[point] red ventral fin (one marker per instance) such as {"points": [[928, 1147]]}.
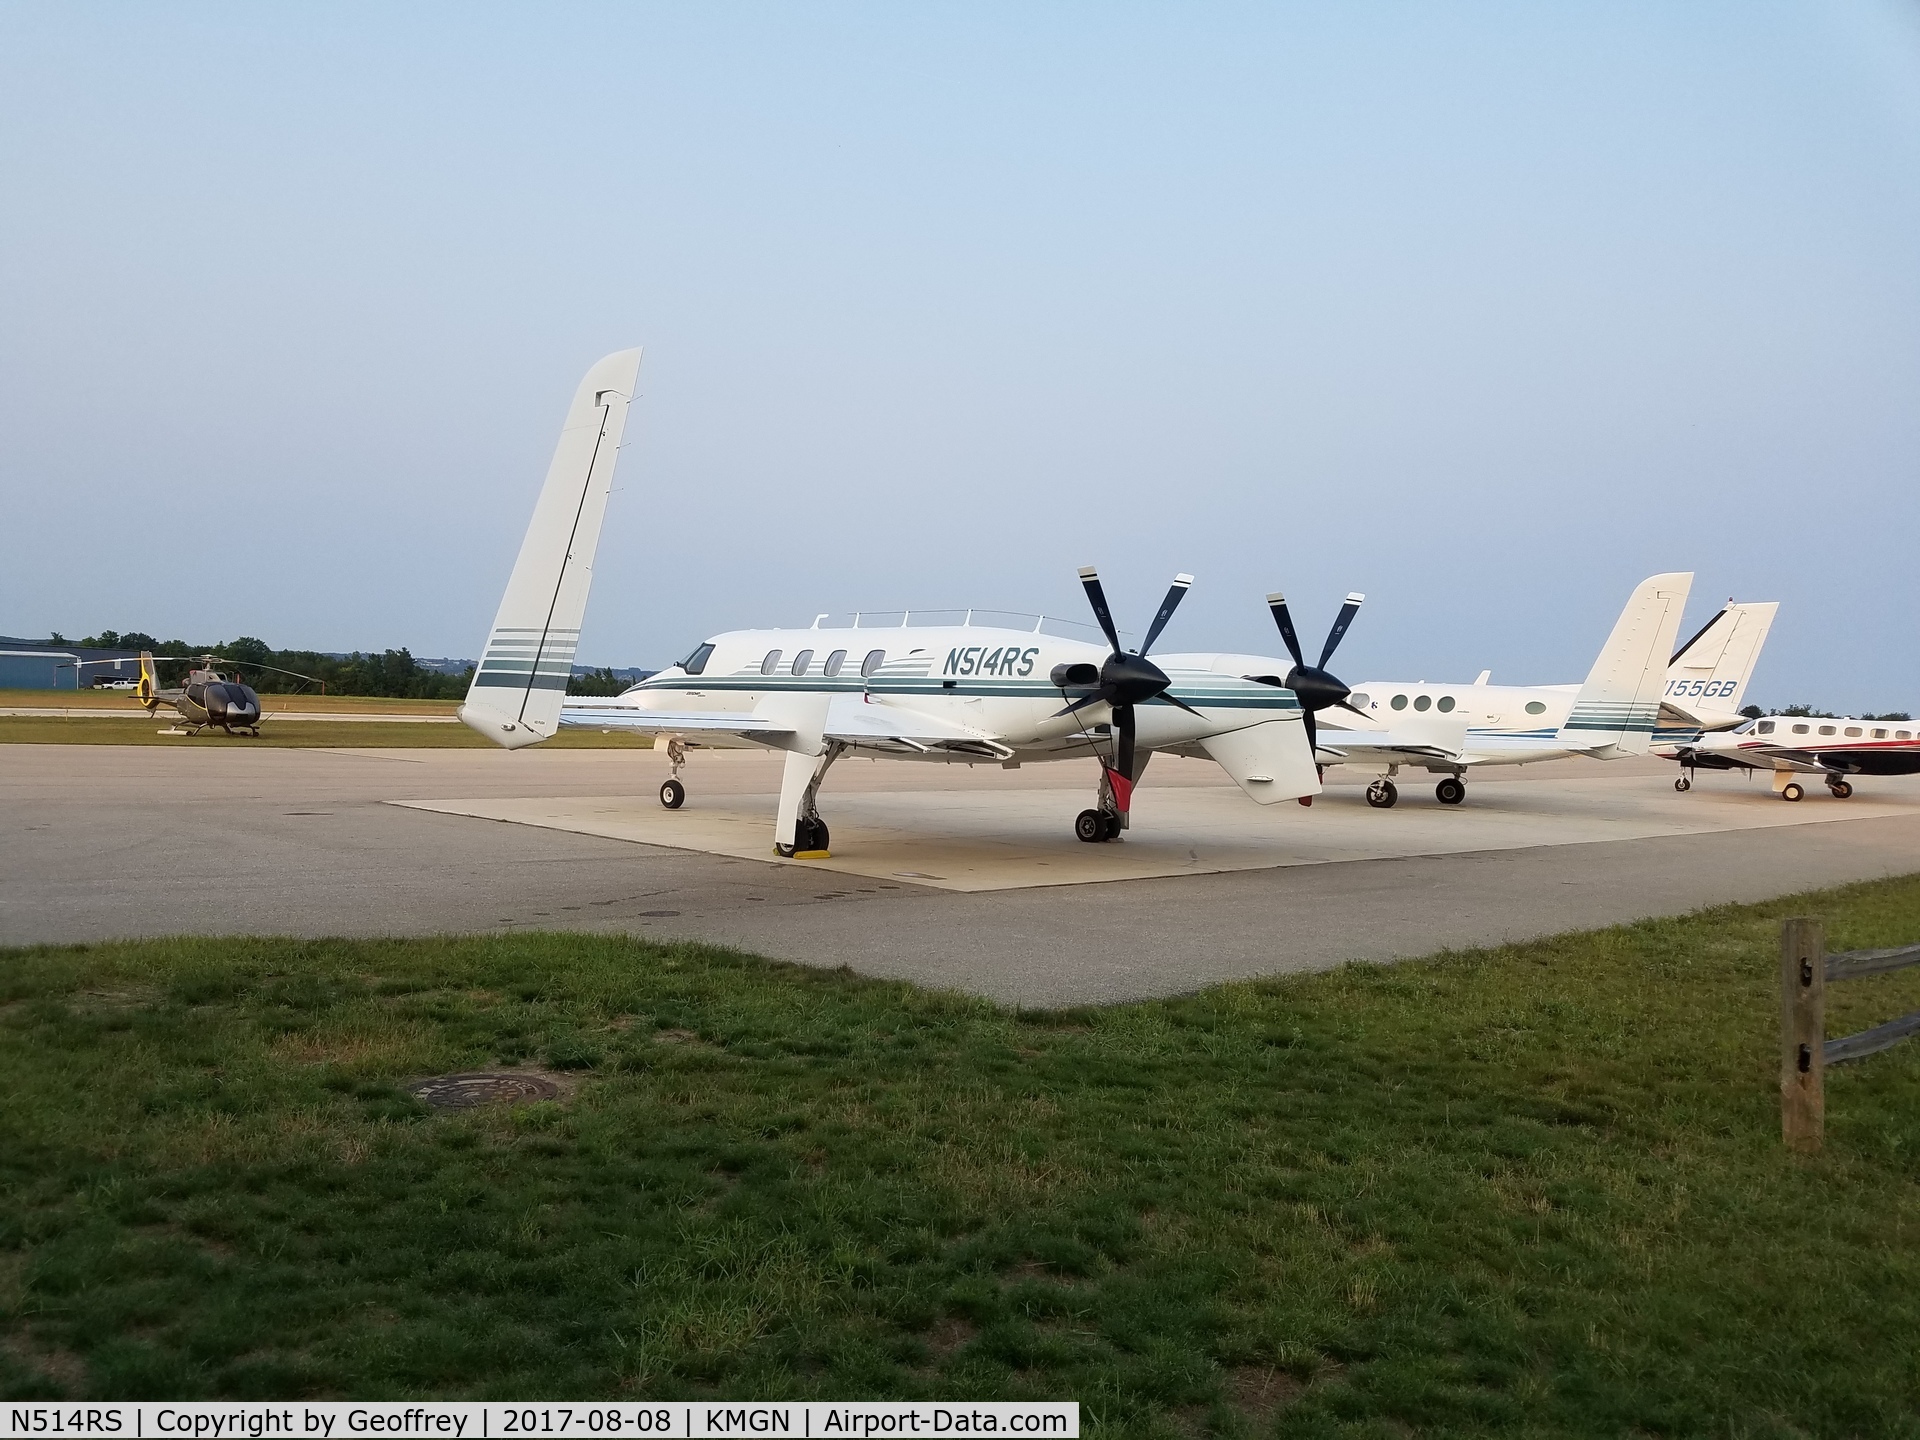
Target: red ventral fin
{"points": [[1122, 790]]}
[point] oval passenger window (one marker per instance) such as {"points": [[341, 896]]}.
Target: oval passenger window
{"points": [[771, 663], [801, 661], [1536, 707], [1446, 704], [1360, 701], [875, 659], [1903, 734], [1826, 729], [1422, 702], [1801, 729], [1399, 702], [834, 662], [1879, 734], [1853, 732]]}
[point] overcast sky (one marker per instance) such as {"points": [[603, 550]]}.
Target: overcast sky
{"points": [[1487, 311]]}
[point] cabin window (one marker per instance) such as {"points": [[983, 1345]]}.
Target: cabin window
{"points": [[1765, 727], [771, 663], [1853, 732], [1903, 734], [1361, 701], [834, 662], [696, 663], [801, 661], [1826, 729], [1879, 734], [1536, 707], [1422, 702], [1399, 702], [1801, 729], [1446, 704], [875, 659]]}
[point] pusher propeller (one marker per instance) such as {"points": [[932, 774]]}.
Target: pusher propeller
{"points": [[1317, 688]]}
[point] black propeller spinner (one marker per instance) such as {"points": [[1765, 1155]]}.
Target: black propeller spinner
{"points": [[1318, 690], [1125, 678]]}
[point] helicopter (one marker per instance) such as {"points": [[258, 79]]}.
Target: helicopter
{"points": [[211, 697]]}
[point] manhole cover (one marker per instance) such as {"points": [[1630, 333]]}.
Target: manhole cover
{"points": [[482, 1087]]}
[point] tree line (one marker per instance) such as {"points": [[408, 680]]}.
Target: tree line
{"points": [[391, 673]]}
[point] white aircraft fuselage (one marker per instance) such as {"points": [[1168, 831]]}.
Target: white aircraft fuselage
{"points": [[952, 694]]}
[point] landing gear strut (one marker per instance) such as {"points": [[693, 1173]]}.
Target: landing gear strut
{"points": [[1382, 794], [1097, 826], [672, 793], [809, 830], [1683, 784], [1450, 791]]}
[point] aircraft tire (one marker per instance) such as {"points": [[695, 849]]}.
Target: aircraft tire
{"points": [[1113, 827], [1450, 791], [673, 794], [1382, 794], [1791, 790], [1683, 784], [1842, 789], [1091, 826], [810, 834]]}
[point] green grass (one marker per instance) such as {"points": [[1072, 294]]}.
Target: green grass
{"points": [[296, 734], [1536, 1190]]}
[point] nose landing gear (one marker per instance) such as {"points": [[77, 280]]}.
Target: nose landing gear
{"points": [[1382, 794], [1683, 784], [672, 793]]}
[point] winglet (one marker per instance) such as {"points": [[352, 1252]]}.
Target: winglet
{"points": [[522, 677]]}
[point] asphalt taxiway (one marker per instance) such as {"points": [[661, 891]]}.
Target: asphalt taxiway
{"points": [[954, 877]]}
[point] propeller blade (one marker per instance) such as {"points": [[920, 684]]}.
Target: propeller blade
{"points": [[1282, 617], [1173, 699], [1082, 703], [1343, 705], [1175, 594], [1313, 734], [1090, 578], [1123, 731], [1339, 631]]}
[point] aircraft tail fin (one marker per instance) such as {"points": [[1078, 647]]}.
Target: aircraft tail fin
{"points": [[522, 676], [1618, 706], [1707, 678]]}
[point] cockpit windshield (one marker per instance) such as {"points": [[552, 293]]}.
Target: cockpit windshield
{"points": [[1754, 727], [696, 663]]}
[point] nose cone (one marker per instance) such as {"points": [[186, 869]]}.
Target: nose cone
{"points": [[1316, 688], [1131, 679]]}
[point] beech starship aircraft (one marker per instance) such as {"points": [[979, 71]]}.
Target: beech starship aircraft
{"points": [[1832, 747], [1450, 729], [954, 694]]}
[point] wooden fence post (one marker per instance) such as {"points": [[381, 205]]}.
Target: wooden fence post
{"points": [[1803, 1033]]}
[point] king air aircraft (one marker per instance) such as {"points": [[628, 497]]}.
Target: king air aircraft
{"points": [[1632, 692], [956, 694]]}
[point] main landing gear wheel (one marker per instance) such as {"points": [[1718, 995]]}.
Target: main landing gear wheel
{"points": [[673, 794], [1095, 826], [1382, 793], [1841, 789], [1683, 784], [807, 835], [1791, 790], [1450, 791]]}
